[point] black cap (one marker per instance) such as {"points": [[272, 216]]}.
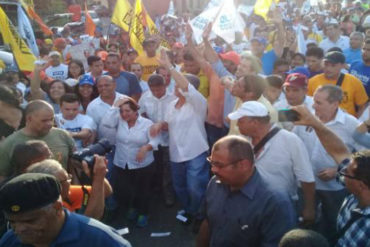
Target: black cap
{"points": [[335, 57], [28, 191]]}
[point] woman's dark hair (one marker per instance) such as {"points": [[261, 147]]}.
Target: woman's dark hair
{"points": [[132, 104], [67, 89], [93, 95], [79, 63], [299, 55]]}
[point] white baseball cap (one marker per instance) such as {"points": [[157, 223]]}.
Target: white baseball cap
{"points": [[249, 109]]}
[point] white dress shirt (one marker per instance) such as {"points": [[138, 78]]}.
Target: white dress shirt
{"points": [[342, 43], [130, 140], [97, 109], [155, 109], [283, 162], [186, 129], [343, 126]]}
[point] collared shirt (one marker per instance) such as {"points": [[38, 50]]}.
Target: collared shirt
{"points": [[253, 216], [77, 231], [186, 128], [342, 42], [97, 110], [283, 162], [155, 109], [129, 140], [343, 125], [358, 234]]}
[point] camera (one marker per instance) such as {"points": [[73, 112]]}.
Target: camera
{"points": [[87, 154]]}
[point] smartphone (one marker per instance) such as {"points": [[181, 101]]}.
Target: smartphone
{"points": [[288, 115]]}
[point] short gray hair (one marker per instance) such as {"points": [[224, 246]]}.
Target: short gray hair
{"points": [[47, 166], [335, 93]]}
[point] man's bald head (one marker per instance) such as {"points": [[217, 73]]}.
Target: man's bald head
{"points": [[238, 147], [37, 105]]}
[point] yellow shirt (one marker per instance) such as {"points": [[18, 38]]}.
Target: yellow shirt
{"points": [[353, 91], [204, 84], [150, 64], [234, 130]]}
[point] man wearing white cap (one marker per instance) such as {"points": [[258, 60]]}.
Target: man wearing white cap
{"points": [[281, 157], [334, 39], [56, 70]]}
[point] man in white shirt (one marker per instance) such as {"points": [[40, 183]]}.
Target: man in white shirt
{"points": [[137, 69], [281, 157], [295, 89], [334, 39], [99, 107], [79, 126], [329, 192], [153, 105], [56, 70]]}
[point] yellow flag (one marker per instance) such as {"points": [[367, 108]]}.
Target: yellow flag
{"points": [[23, 55], [122, 14], [262, 7], [137, 28]]}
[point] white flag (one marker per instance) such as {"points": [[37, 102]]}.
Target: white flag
{"points": [[214, 3], [26, 32], [226, 22], [301, 42], [200, 22]]}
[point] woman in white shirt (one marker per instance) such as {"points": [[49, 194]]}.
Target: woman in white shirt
{"points": [[133, 159], [185, 117]]}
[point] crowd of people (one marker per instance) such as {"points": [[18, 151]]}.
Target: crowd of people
{"points": [[262, 142]]}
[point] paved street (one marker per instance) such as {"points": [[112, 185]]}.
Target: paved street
{"points": [[161, 219]]}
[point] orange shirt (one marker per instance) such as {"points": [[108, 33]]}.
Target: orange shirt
{"points": [[353, 91], [75, 197]]}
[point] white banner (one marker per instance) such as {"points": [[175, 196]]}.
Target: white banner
{"points": [[200, 22]]}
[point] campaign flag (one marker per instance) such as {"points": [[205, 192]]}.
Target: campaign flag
{"points": [[199, 23], [25, 30], [262, 7], [226, 22], [22, 54], [137, 28], [89, 23], [122, 14]]}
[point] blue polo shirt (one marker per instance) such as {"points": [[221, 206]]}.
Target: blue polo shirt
{"points": [[268, 59], [77, 231], [252, 216], [127, 84]]}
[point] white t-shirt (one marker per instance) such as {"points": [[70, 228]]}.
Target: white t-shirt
{"points": [[59, 72], [79, 123]]}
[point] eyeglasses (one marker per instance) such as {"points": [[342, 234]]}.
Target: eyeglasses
{"points": [[68, 179], [220, 165], [342, 173]]}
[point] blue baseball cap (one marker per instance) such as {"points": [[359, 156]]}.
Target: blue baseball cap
{"points": [[260, 40], [86, 79], [301, 70]]}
